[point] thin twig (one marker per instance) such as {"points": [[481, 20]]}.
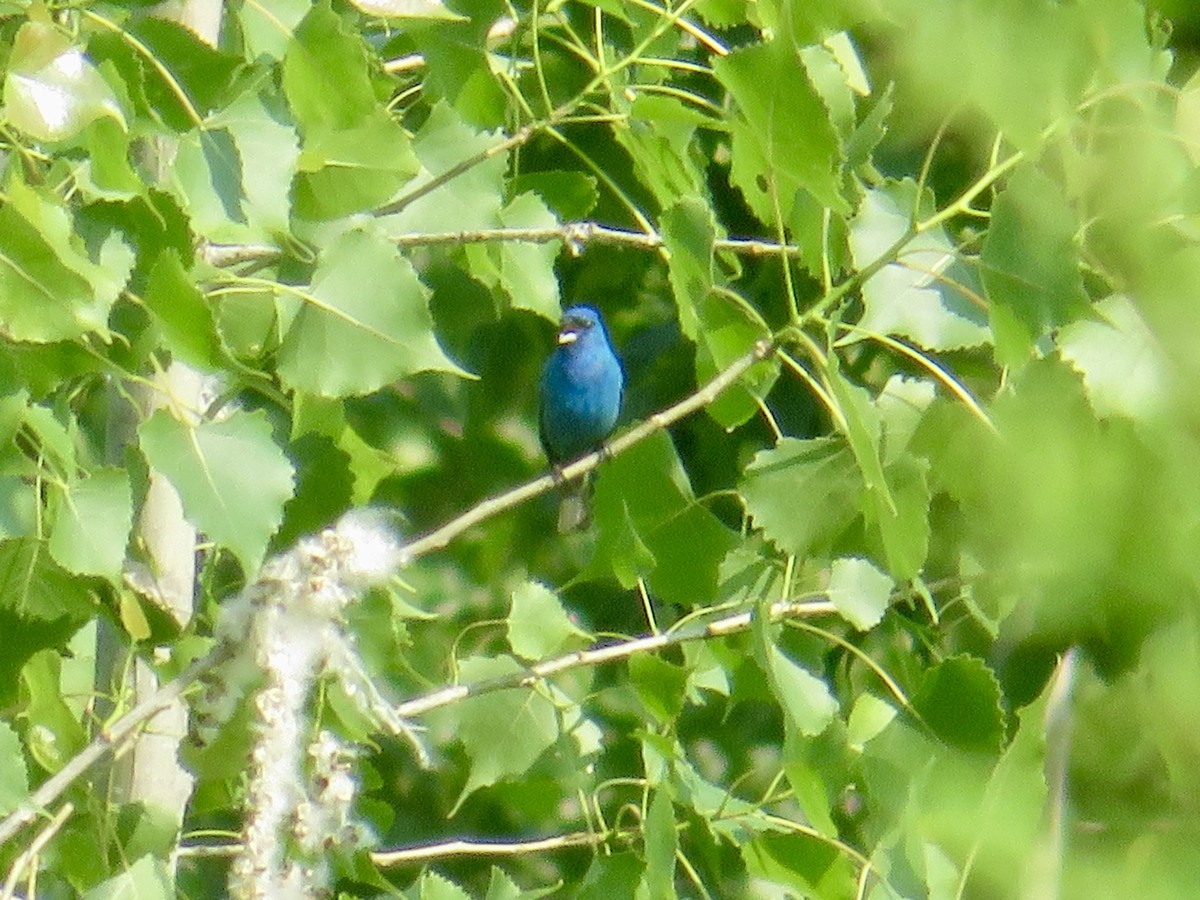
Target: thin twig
{"points": [[783, 609], [30, 853], [515, 140], [439, 538], [446, 849], [104, 743]]}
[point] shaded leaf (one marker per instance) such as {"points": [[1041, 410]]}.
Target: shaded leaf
{"points": [[959, 698], [183, 315]]}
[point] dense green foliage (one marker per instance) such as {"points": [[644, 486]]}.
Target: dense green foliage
{"points": [[973, 232]]}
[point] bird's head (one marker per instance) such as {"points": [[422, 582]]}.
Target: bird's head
{"points": [[577, 323]]}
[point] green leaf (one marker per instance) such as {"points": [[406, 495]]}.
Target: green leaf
{"points": [[868, 718], [267, 31], [182, 314], [354, 168], [1122, 363], [1030, 264], [960, 700], [904, 526], [51, 91], [806, 699], [901, 406], [14, 777], [568, 195], [803, 494], [658, 137], [660, 685], [782, 136], [107, 174], [504, 732], [366, 317], [926, 295], [201, 72], [325, 74], [93, 523], [728, 331], [18, 507], [661, 845], [50, 289], [813, 868], [146, 879], [859, 591], [408, 9], [231, 476], [472, 200], [617, 875], [539, 627], [644, 513], [688, 231], [526, 270], [268, 154], [432, 886]]}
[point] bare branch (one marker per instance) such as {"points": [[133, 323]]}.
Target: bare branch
{"points": [[439, 538], [783, 609], [573, 235], [410, 855]]}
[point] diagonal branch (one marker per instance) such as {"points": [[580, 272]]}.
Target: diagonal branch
{"points": [[440, 537], [783, 609]]}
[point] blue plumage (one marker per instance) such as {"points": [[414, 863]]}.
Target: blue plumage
{"points": [[582, 385]]}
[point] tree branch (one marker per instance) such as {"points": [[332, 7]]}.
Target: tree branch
{"points": [[104, 743], [439, 538], [446, 849], [573, 235], [783, 609]]}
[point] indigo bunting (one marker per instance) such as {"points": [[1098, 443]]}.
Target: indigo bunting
{"points": [[582, 385]]}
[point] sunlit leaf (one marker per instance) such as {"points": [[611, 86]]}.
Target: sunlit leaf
{"points": [[925, 295], [231, 476], [538, 626], [859, 591], [802, 494], [52, 91], [366, 317], [14, 777], [93, 522], [502, 733], [1030, 264]]}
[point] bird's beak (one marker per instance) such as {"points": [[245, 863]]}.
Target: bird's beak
{"points": [[567, 337]]}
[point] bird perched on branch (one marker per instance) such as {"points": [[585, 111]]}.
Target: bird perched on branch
{"points": [[582, 385]]}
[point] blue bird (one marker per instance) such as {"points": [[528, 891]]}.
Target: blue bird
{"points": [[582, 385]]}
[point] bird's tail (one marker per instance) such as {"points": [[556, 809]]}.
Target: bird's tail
{"points": [[575, 510]]}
